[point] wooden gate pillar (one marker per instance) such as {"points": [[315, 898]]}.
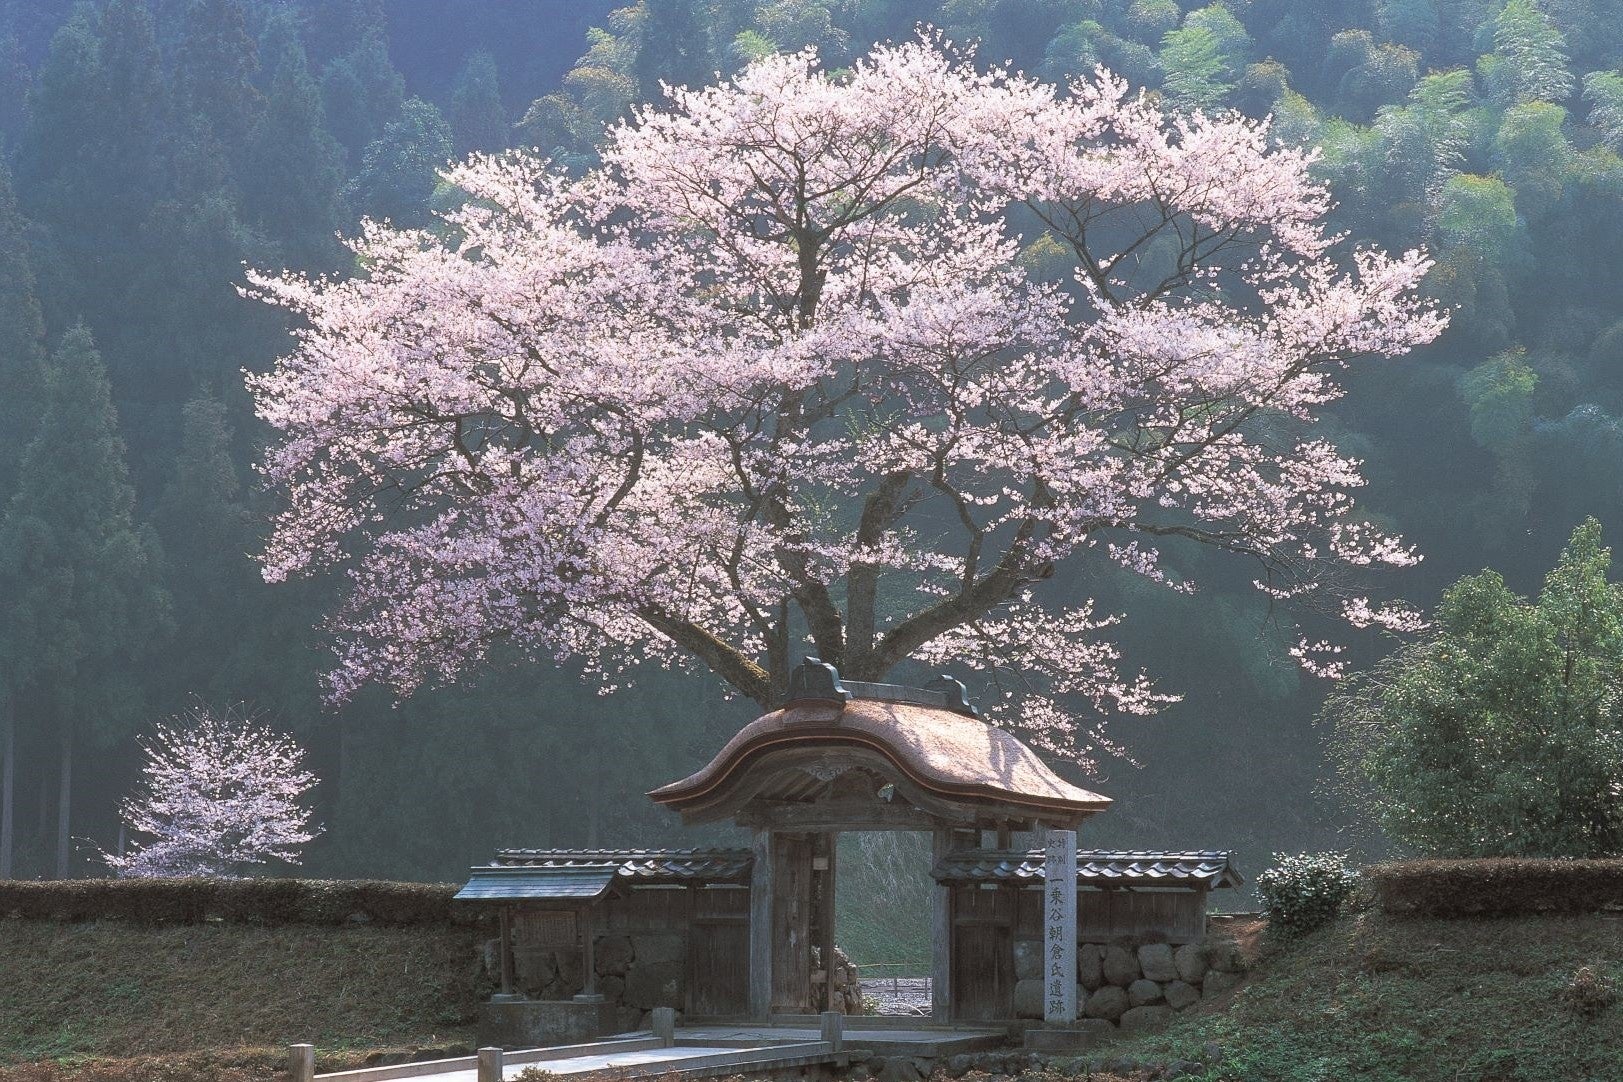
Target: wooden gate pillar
{"points": [[760, 959], [780, 924], [940, 933]]}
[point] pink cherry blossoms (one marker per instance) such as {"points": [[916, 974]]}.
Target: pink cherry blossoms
{"points": [[218, 795], [775, 374]]}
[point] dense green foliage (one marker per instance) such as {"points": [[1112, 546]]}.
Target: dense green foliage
{"points": [[1504, 887], [1498, 733], [155, 145], [1304, 892]]}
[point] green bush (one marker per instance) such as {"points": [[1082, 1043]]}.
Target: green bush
{"points": [[1304, 892], [1497, 888], [236, 901], [1496, 733]]}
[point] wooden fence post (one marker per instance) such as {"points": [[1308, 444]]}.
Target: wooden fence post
{"points": [[834, 1030], [301, 1062], [490, 1065]]}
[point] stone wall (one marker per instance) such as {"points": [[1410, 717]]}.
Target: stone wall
{"points": [[847, 982], [636, 971], [1133, 986]]}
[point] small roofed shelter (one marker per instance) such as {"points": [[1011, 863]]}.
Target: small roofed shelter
{"points": [[852, 756], [1124, 898], [556, 905]]}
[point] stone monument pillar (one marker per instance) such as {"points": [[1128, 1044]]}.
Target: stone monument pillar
{"points": [[1059, 928]]}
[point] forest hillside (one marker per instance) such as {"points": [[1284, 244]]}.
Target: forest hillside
{"points": [[153, 148]]}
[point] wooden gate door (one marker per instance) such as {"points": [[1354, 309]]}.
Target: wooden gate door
{"points": [[719, 954], [982, 954], [791, 923]]}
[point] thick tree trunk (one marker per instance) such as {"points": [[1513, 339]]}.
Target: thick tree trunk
{"points": [[64, 802], [42, 816], [8, 781]]}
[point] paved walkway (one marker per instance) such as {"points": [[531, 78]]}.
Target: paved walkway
{"points": [[700, 1051], [922, 1040], [638, 1061]]}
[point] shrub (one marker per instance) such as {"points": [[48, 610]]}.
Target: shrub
{"points": [[1304, 892], [1589, 993], [1496, 734], [238, 901], [1496, 887]]}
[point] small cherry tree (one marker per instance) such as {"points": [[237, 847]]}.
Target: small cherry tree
{"points": [[218, 795], [776, 369]]}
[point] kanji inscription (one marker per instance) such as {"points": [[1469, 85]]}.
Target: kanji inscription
{"points": [[1059, 927]]}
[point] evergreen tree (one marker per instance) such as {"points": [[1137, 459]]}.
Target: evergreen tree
{"points": [[361, 92], [133, 108], [400, 170], [478, 121], [77, 573], [1414, 23], [193, 328], [204, 528], [21, 333], [296, 166], [57, 145], [214, 72], [604, 81], [673, 46], [15, 81], [21, 388], [91, 164], [335, 27]]}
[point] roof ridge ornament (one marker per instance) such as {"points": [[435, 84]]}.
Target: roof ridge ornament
{"points": [[955, 696], [815, 680]]}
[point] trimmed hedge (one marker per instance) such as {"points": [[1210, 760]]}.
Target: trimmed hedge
{"points": [[238, 901], [1503, 887]]}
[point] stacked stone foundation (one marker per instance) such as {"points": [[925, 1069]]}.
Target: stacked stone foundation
{"points": [[1131, 986], [635, 973]]}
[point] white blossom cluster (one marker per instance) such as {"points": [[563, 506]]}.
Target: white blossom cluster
{"points": [[218, 796]]}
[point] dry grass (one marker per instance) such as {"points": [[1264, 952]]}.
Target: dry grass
{"points": [[218, 1065], [114, 989], [1378, 999]]}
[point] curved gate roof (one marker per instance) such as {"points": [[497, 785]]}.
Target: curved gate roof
{"points": [[947, 752]]}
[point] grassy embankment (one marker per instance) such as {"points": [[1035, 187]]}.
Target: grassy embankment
{"points": [[221, 1001], [1370, 998], [1378, 999]]}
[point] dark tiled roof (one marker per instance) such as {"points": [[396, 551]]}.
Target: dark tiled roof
{"points": [[584, 875], [1095, 867], [580, 883], [640, 865]]}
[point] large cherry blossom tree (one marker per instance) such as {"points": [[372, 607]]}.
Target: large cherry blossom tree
{"points": [[218, 796], [776, 373]]}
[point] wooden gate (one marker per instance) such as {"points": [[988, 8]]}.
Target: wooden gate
{"points": [[982, 954], [718, 954]]}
